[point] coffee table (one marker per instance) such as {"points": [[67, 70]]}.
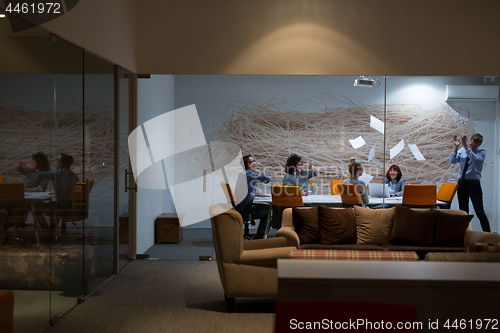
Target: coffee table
{"points": [[439, 290]]}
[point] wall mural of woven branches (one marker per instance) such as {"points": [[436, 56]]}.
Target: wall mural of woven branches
{"points": [[89, 139], [271, 133]]}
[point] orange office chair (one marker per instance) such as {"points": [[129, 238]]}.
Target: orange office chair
{"points": [[419, 196], [349, 195], [335, 189], [2, 179], [228, 192], [282, 197], [11, 195], [446, 193]]}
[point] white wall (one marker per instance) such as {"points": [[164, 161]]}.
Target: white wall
{"points": [[155, 96]]}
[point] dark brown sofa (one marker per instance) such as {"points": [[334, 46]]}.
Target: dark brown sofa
{"points": [[395, 229]]}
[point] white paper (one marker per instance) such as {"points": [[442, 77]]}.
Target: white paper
{"points": [[366, 178], [397, 148], [371, 155], [416, 152], [358, 142], [377, 124]]}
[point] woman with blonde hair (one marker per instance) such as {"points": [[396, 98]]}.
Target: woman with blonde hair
{"points": [[355, 171]]}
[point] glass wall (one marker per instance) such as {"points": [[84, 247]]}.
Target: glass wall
{"points": [[327, 120], [57, 208]]}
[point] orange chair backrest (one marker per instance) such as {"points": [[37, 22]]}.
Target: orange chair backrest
{"points": [[2, 179], [11, 192], [420, 195], [310, 182], [82, 193], [349, 194], [286, 196], [447, 192], [228, 192], [335, 189]]}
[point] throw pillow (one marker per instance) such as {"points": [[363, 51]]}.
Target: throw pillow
{"points": [[373, 226], [450, 229], [305, 223], [337, 226], [412, 227]]}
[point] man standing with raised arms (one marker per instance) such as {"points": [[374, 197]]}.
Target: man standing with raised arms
{"points": [[471, 159]]}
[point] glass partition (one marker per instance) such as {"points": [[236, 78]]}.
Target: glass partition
{"points": [[66, 166], [408, 122], [56, 234]]}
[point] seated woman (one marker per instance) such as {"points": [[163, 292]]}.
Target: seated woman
{"points": [[298, 174], [395, 180], [31, 169], [355, 171], [246, 191]]}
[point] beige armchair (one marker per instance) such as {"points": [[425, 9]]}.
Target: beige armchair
{"points": [[247, 269]]}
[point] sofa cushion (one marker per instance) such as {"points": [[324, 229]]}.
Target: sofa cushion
{"points": [[413, 227], [353, 255], [357, 247], [373, 226], [337, 226], [305, 223], [422, 250], [450, 229], [482, 248], [463, 257]]}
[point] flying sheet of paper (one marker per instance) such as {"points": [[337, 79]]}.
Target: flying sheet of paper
{"points": [[397, 148], [371, 155], [416, 152], [366, 178], [358, 142], [377, 124]]}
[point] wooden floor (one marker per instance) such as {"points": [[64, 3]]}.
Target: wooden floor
{"points": [[166, 296]]}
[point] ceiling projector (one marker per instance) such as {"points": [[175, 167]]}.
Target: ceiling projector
{"points": [[366, 82]]}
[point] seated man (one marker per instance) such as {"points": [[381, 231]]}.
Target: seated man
{"points": [[248, 181]]}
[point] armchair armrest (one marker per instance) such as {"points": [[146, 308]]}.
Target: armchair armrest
{"points": [[265, 257], [472, 236], [290, 235], [264, 243]]}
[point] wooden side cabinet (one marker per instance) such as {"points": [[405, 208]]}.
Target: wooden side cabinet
{"points": [[168, 228]]}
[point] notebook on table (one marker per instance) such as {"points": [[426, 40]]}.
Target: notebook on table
{"points": [[379, 190]]}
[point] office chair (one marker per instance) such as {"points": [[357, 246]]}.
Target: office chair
{"points": [[282, 197], [349, 195], [79, 210], [2, 179], [446, 193], [335, 189], [11, 195], [228, 192], [419, 196]]}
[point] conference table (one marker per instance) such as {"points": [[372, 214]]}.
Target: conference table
{"points": [[336, 201]]}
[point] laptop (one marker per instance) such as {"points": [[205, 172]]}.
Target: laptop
{"points": [[377, 190]]}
